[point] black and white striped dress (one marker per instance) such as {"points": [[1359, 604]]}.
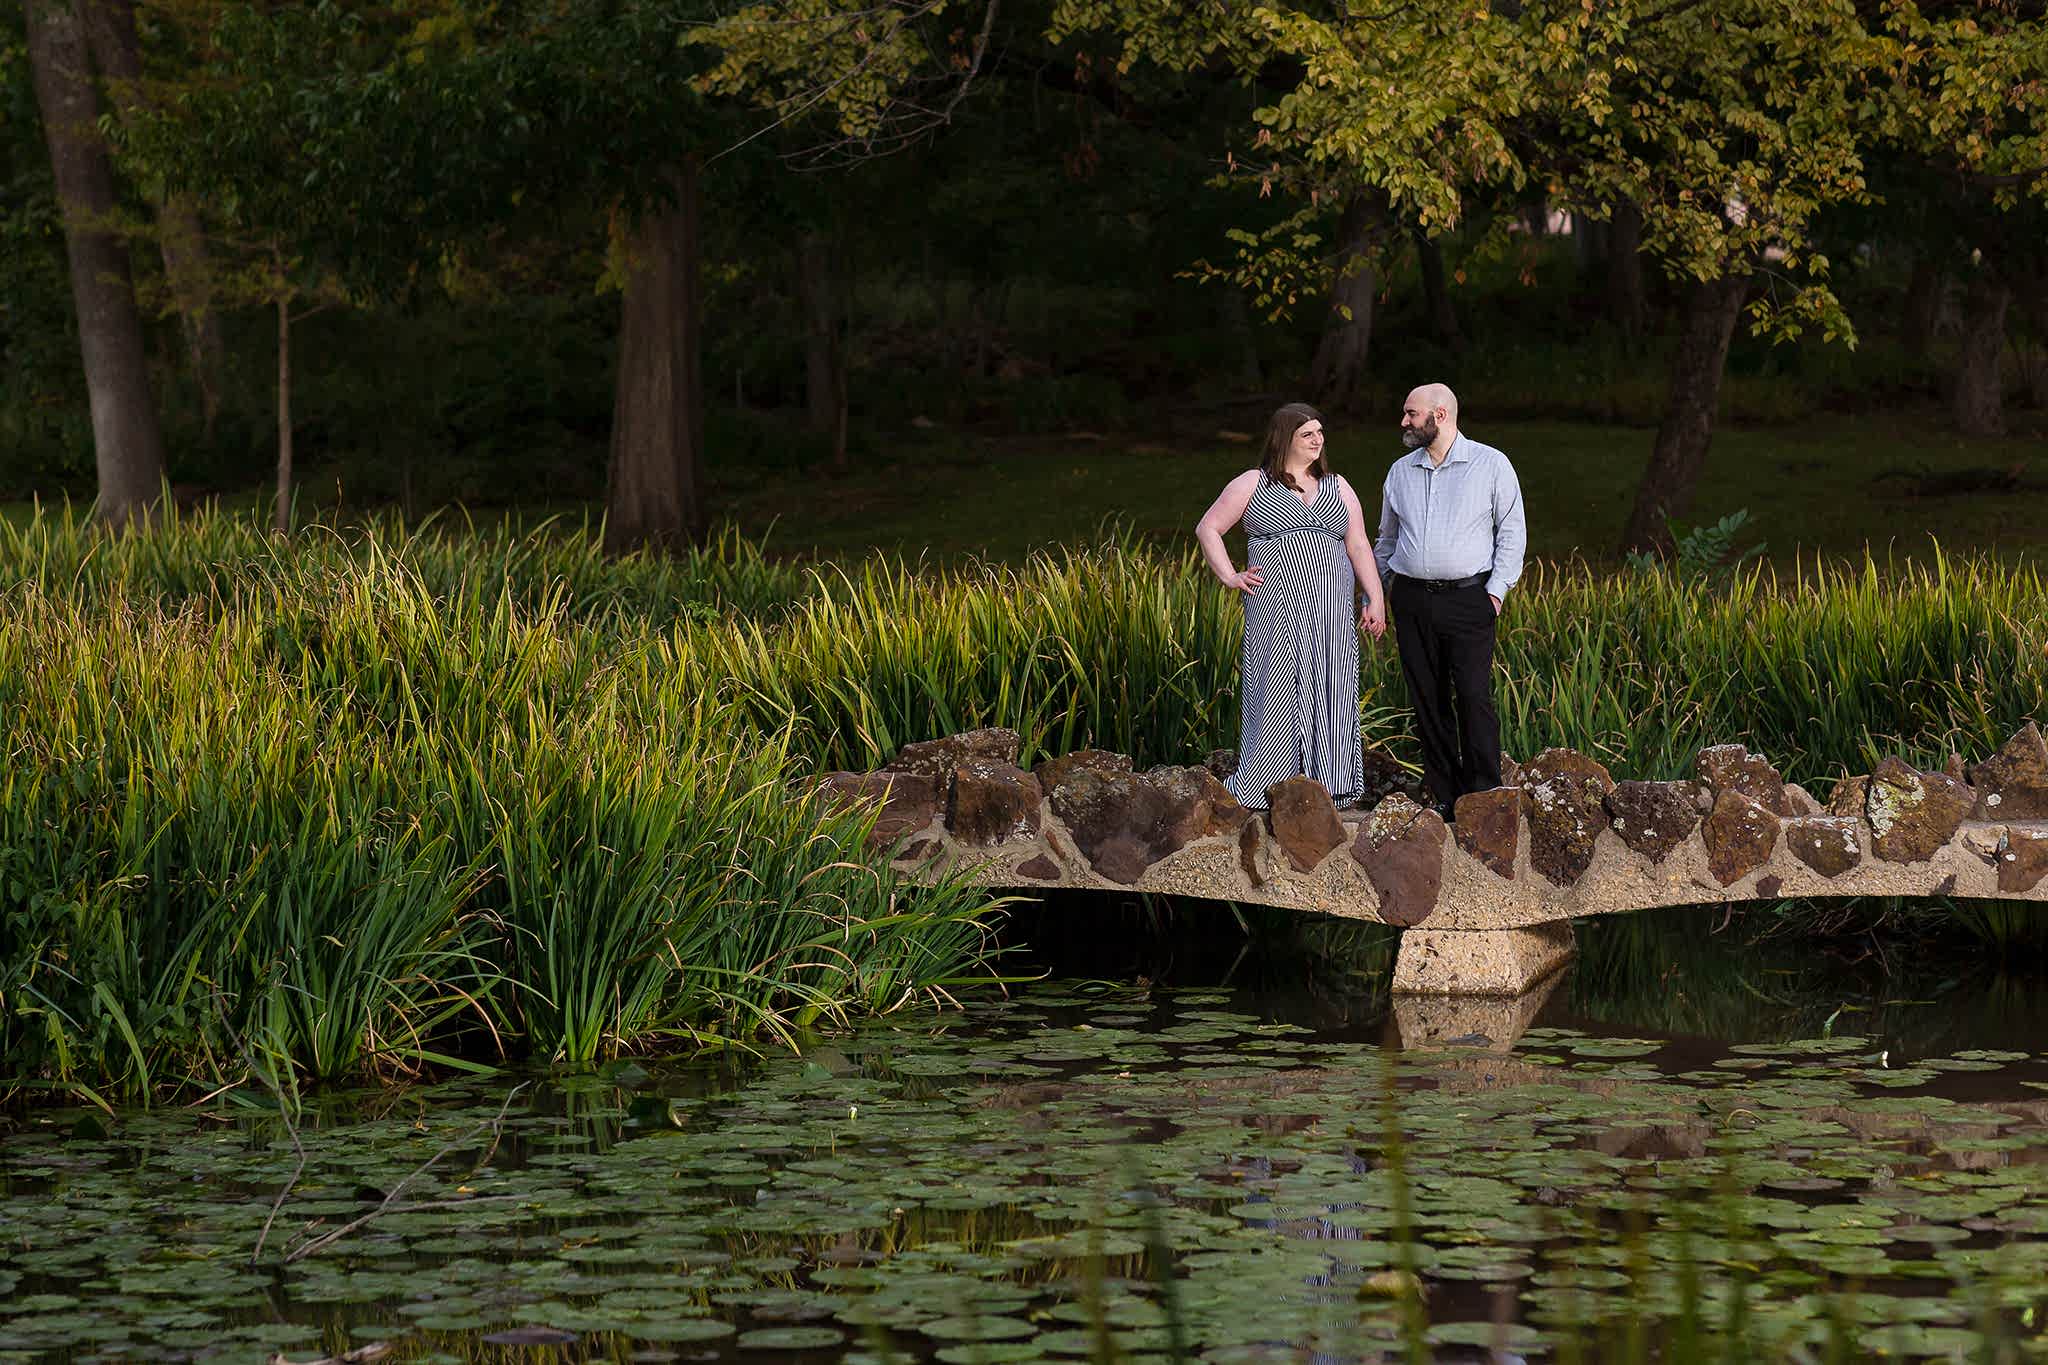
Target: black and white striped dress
{"points": [[1300, 647]]}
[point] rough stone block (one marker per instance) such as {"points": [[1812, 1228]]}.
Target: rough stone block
{"points": [[2023, 862], [1653, 818], [1564, 794], [2013, 783], [1986, 841], [1740, 836], [1053, 771], [1040, 869], [1829, 844], [1913, 813], [904, 802], [1303, 819], [1731, 767], [1401, 847], [1490, 828], [1799, 801], [992, 803], [1124, 822], [1492, 962], [1849, 796], [1222, 764], [1555, 764], [939, 757]]}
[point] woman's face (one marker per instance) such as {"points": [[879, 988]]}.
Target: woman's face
{"points": [[1308, 443]]}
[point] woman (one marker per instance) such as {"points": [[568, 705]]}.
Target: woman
{"points": [[1307, 544]]}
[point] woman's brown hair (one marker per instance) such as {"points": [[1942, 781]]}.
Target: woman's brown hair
{"points": [[1288, 419]]}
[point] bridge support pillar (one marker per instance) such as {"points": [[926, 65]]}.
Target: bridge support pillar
{"points": [[1480, 962]]}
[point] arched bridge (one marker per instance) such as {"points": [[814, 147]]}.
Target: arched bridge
{"points": [[1486, 902]]}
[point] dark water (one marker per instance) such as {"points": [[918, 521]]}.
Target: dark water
{"points": [[1210, 1146]]}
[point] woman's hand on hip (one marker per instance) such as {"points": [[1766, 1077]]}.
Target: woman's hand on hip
{"points": [[1249, 581]]}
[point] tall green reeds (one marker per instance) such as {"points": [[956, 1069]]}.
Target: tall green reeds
{"points": [[369, 799], [1825, 671], [332, 818]]}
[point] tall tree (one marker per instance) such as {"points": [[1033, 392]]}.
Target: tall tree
{"points": [[1728, 125], [1966, 115], [654, 488], [181, 236], [1337, 375], [127, 443]]}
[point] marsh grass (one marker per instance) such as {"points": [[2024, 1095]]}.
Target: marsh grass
{"points": [[1826, 669], [324, 817], [376, 800]]}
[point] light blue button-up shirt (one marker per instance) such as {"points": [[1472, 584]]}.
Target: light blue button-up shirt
{"points": [[1453, 520]]}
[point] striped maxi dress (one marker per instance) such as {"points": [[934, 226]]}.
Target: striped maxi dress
{"points": [[1300, 647]]}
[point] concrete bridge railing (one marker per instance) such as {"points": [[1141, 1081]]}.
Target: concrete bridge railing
{"points": [[1486, 903]]}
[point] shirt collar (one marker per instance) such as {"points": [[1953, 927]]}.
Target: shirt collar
{"points": [[1457, 454]]}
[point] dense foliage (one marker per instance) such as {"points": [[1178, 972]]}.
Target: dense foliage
{"points": [[451, 184]]}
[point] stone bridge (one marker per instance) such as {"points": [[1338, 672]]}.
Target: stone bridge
{"points": [[1486, 902]]}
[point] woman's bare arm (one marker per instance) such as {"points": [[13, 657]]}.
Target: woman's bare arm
{"points": [[1358, 549], [1224, 513]]}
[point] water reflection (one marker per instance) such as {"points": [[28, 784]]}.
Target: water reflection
{"points": [[1683, 972], [1241, 1149]]}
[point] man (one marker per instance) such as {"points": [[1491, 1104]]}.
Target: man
{"points": [[1450, 546]]}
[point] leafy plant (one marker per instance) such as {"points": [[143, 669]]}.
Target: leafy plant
{"points": [[1703, 551]]}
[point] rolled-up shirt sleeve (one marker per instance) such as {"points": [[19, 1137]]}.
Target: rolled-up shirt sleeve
{"points": [[1510, 532]]}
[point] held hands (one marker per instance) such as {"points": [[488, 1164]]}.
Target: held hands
{"points": [[1247, 582], [1373, 618]]}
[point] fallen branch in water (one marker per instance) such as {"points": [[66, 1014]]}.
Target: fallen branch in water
{"points": [[493, 1125], [376, 1350]]}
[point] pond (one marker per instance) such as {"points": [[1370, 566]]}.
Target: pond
{"points": [[1685, 1150]]}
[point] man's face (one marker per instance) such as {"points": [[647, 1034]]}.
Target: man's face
{"points": [[1418, 423]]}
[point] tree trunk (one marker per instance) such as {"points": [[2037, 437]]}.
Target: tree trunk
{"points": [[653, 494], [1337, 375], [1922, 307], [1626, 308], [127, 444], [281, 516], [117, 51], [1979, 393], [824, 353], [1666, 490], [1436, 297], [1589, 244]]}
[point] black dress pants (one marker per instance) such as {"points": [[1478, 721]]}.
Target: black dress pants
{"points": [[1446, 642]]}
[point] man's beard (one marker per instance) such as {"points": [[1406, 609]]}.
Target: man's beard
{"points": [[1419, 436]]}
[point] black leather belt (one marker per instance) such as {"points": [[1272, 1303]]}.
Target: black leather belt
{"points": [[1444, 584]]}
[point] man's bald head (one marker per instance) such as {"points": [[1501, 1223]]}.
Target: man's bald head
{"points": [[1430, 412], [1434, 396]]}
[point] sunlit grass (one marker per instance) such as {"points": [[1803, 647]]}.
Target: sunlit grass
{"points": [[316, 815], [377, 800]]}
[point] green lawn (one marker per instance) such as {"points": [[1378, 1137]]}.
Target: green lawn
{"points": [[1830, 486], [1821, 487]]}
